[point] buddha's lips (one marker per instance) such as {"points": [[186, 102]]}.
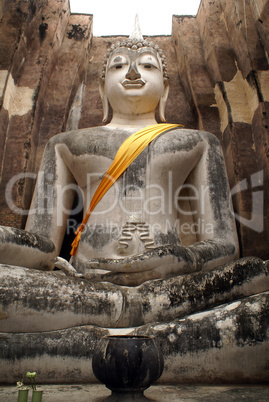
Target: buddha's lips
{"points": [[133, 83]]}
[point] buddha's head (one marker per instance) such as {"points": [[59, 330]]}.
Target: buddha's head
{"points": [[134, 73]]}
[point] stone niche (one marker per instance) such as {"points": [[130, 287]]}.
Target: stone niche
{"points": [[219, 74]]}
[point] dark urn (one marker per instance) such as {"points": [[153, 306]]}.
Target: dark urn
{"points": [[127, 364]]}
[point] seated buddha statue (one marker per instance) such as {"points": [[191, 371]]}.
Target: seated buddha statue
{"points": [[165, 217]]}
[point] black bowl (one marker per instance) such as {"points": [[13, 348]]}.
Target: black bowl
{"points": [[127, 363]]}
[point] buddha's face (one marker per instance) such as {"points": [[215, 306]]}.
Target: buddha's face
{"points": [[134, 77]]}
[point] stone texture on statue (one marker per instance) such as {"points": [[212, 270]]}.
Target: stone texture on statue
{"points": [[73, 302], [228, 344], [93, 243]]}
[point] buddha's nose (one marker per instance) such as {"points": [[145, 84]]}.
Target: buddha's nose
{"points": [[133, 73]]}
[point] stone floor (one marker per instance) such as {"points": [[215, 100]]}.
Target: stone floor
{"points": [[157, 393]]}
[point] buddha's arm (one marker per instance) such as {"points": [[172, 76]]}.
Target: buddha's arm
{"points": [[217, 242], [40, 242]]}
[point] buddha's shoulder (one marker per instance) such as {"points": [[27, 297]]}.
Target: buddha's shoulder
{"points": [[186, 138], [79, 135], [94, 140], [198, 135]]}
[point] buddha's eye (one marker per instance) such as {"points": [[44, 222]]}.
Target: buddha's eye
{"points": [[118, 66], [147, 66]]}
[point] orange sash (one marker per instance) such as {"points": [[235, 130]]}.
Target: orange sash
{"points": [[126, 154]]}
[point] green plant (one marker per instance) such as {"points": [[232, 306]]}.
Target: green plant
{"points": [[32, 377]]}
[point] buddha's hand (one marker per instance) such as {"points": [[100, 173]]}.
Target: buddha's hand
{"points": [[66, 267], [161, 262]]}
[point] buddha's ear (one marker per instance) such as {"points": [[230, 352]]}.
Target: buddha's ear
{"points": [[104, 100], [163, 100]]}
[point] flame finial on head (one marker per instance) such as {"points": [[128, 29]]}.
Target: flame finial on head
{"points": [[136, 34]]}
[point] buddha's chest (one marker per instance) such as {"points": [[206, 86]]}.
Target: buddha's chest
{"points": [[165, 158]]}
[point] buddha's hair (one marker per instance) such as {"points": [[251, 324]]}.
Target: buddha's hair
{"points": [[134, 44]]}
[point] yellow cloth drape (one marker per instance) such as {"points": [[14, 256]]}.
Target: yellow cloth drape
{"points": [[126, 154]]}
